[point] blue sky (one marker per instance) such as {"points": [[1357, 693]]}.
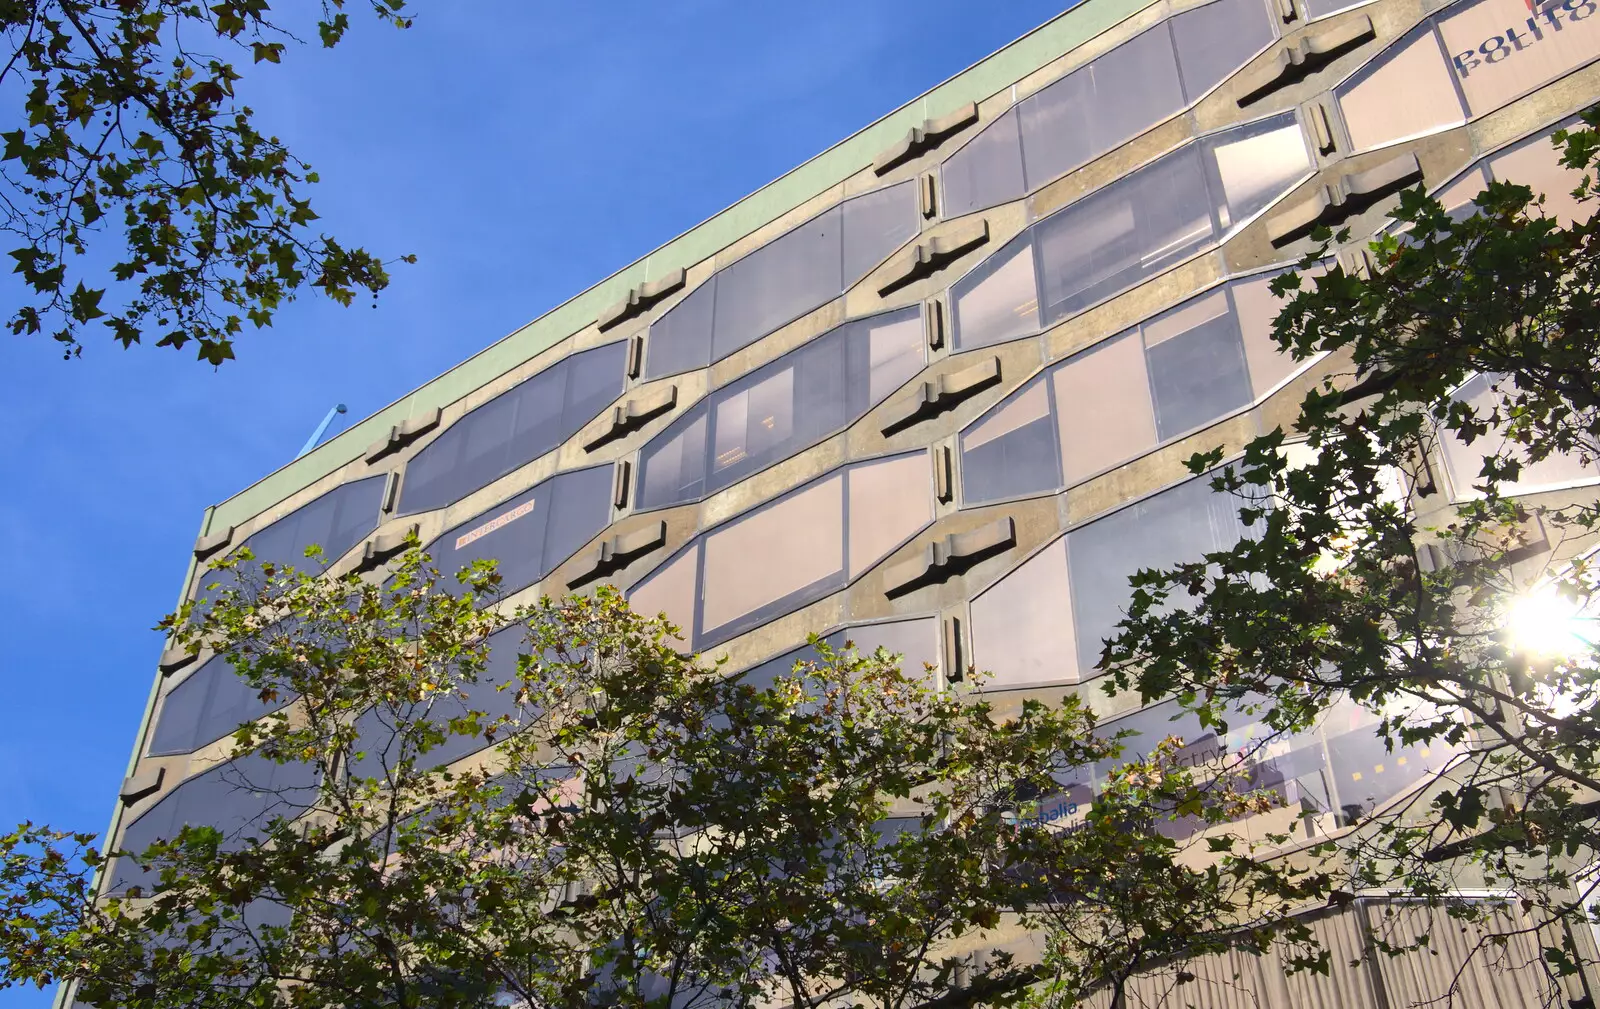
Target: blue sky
{"points": [[523, 151]]}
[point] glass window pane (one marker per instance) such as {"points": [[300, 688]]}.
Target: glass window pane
{"points": [[874, 226], [792, 547], [1465, 462], [1415, 68], [513, 429], [777, 283], [177, 728], [1257, 308], [1012, 451], [1103, 403], [671, 591], [1459, 195], [336, 521], [1175, 526], [672, 468], [1116, 237], [998, 300], [915, 641], [890, 501], [1097, 107], [774, 412], [1022, 627], [532, 533], [1215, 40], [1322, 8], [1534, 163], [987, 171], [681, 340], [1256, 164], [1197, 367], [1500, 49], [896, 351]]}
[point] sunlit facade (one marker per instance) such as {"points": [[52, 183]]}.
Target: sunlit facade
{"points": [[934, 389]]}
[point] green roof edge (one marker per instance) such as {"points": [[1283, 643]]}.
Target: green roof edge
{"points": [[1048, 42]]}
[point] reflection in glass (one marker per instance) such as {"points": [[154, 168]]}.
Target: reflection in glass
{"points": [[531, 534], [1465, 462], [1253, 164], [998, 300], [514, 428], [1012, 452], [1197, 366], [213, 702], [1500, 50], [1022, 627], [1414, 68], [987, 171], [781, 408], [805, 267]]}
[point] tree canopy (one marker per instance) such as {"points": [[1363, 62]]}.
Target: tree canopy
{"points": [[142, 194]]}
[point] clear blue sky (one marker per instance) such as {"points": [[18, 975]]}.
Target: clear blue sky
{"points": [[523, 151]]}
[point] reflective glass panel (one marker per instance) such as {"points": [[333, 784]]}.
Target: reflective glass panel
{"points": [[1257, 307], [210, 704], [1197, 366], [239, 798], [672, 591], [1254, 165], [987, 171], [532, 533], [1110, 239], [1215, 40], [888, 502], [1022, 627], [777, 283], [998, 300], [514, 428], [1502, 49], [915, 641], [1012, 451], [781, 408], [1098, 106], [1413, 67], [1535, 163], [1465, 462], [875, 225], [1103, 402], [1175, 526], [680, 340]]}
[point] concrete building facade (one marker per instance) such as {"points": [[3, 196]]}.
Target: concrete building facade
{"points": [[934, 388]]}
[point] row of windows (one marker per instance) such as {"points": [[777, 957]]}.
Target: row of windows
{"points": [[799, 548], [1468, 60], [1176, 372], [211, 703], [1104, 103], [1140, 225], [775, 411], [791, 275]]}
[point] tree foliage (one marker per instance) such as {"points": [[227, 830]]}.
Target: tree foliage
{"points": [[142, 194], [643, 830], [1361, 580]]}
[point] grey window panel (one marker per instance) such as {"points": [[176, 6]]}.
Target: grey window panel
{"points": [[380, 746], [999, 299], [336, 521], [777, 283], [1322, 8], [1250, 166], [1131, 230], [781, 408], [1199, 375], [239, 798], [210, 704], [915, 641], [1176, 526], [514, 428], [987, 171], [1098, 106], [875, 225], [1215, 40], [1023, 459], [681, 339], [532, 533]]}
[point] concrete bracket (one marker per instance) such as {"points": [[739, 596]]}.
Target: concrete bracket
{"points": [[933, 255], [640, 298], [1298, 60], [941, 395], [619, 551], [945, 558], [922, 139], [630, 416]]}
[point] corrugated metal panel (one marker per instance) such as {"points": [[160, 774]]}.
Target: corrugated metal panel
{"points": [[1458, 960], [1348, 984]]}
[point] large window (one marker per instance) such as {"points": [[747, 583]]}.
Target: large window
{"points": [[1174, 373], [1134, 228], [532, 533], [782, 408], [805, 545], [1100, 105], [210, 704], [336, 521], [781, 281], [514, 428], [1467, 60], [1045, 621], [493, 695], [239, 798], [1465, 462], [915, 641]]}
